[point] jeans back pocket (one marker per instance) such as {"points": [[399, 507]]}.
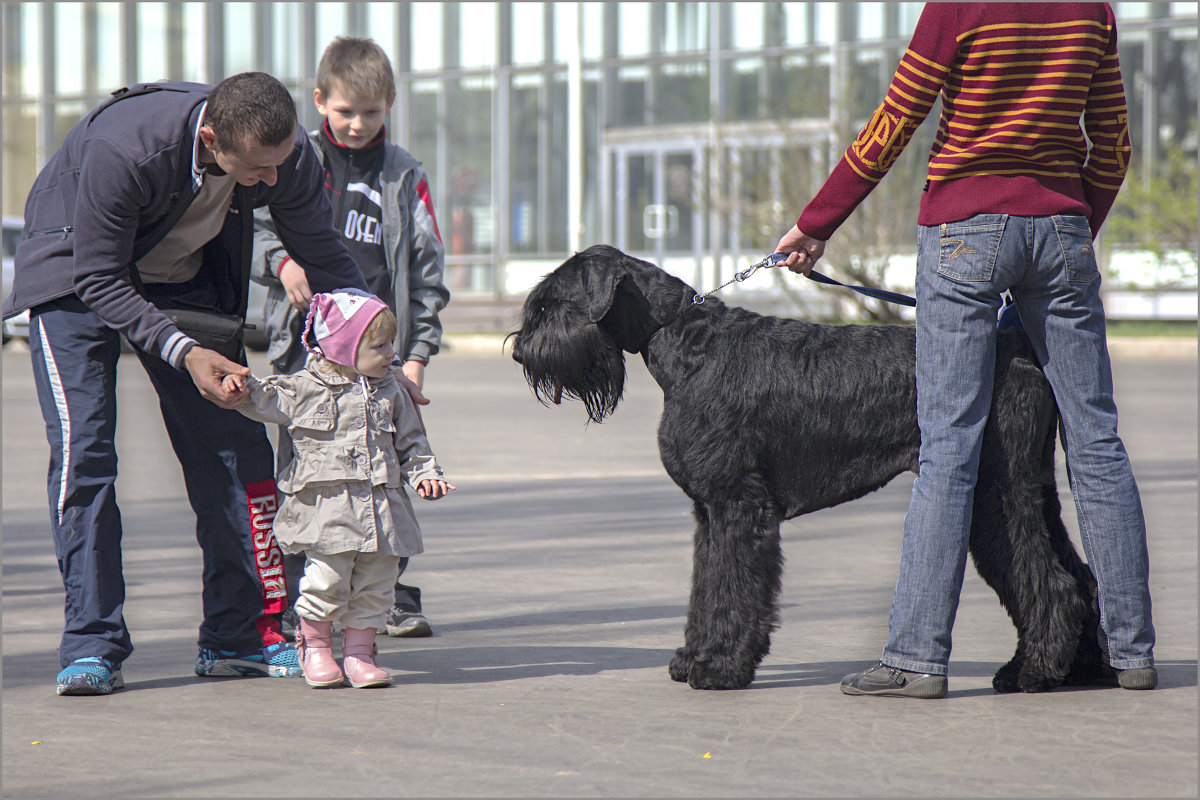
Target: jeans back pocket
{"points": [[968, 249], [1078, 250]]}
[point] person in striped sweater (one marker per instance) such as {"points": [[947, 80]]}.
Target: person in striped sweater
{"points": [[1014, 198]]}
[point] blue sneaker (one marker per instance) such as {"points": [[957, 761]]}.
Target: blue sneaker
{"points": [[92, 675], [284, 659], [279, 660]]}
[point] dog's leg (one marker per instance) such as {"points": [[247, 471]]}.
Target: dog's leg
{"points": [[991, 551], [735, 589], [1018, 540], [1012, 552], [681, 665], [1090, 664]]}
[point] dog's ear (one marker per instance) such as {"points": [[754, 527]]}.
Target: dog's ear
{"points": [[630, 321], [599, 289]]}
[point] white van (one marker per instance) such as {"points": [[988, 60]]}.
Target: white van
{"points": [[18, 326]]}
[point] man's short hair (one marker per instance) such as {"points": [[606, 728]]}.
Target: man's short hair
{"points": [[357, 66], [248, 108]]}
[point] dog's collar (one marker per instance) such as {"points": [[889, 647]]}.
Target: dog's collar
{"points": [[631, 332], [668, 323], [630, 320]]}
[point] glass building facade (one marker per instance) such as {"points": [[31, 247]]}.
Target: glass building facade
{"points": [[690, 134]]}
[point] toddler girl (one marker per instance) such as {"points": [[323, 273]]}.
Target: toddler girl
{"points": [[356, 439]]}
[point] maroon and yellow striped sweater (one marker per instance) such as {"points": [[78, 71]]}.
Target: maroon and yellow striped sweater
{"points": [[1015, 78]]}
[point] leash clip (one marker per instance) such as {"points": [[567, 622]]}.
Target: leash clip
{"points": [[748, 271], [772, 260]]}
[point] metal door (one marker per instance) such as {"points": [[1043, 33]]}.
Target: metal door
{"points": [[655, 202]]}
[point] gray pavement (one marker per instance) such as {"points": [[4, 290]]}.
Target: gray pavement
{"points": [[556, 579]]}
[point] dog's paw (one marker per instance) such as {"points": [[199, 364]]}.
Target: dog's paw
{"points": [[1090, 667], [1033, 684], [705, 676], [1025, 675], [1091, 675], [1006, 679], [681, 666], [1036, 677]]}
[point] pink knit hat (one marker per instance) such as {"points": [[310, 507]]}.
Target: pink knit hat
{"points": [[338, 319]]}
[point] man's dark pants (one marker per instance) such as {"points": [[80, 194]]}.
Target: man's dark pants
{"points": [[227, 465]]}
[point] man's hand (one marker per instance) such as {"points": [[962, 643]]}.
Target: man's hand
{"points": [[295, 283], [208, 368], [803, 250]]}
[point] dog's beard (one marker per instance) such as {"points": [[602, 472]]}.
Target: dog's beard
{"points": [[590, 369]]}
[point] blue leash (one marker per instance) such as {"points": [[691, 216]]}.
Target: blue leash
{"points": [[870, 291], [1008, 317], [775, 259]]}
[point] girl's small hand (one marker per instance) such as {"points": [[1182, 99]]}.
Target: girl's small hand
{"points": [[232, 384], [432, 490]]}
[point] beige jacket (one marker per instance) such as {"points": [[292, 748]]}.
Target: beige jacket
{"points": [[354, 445]]}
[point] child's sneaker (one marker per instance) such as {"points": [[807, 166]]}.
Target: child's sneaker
{"points": [[279, 660], [92, 675]]}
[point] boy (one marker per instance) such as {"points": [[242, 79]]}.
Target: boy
{"points": [[384, 213]]}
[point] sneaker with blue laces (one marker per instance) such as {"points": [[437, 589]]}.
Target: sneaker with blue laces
{"points": [[92, 675], [279, 660]]}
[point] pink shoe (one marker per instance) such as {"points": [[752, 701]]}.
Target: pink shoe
{"points": [[314, 641], [358, 659]]}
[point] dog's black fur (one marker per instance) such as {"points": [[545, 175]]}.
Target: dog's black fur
{"points": [[766, 419]]}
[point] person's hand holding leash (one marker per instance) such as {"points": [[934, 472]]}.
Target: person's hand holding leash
{"points": [[803, 251]]}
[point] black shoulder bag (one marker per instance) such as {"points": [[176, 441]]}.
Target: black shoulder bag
{"points": [[212, 329]]}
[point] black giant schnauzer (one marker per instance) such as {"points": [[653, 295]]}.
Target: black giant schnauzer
{"points": [[766, 419]]}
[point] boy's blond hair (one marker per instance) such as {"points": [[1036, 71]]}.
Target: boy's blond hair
{"points": [[359, 67]]}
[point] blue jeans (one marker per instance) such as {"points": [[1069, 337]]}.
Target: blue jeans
{"points": [[1050, 268]]}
